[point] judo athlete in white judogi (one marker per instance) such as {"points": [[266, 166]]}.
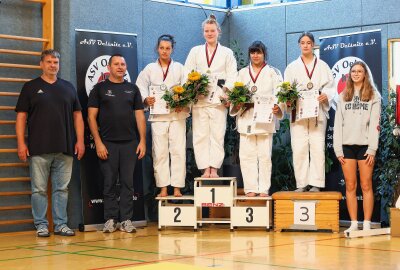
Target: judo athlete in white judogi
{"points": [[209, 118], [256, 138], [308, 135], [168, 130]]}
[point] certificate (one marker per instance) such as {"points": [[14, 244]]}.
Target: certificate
{"points": [[307, 104], [263, 106], [215, 92], [160, 105]]}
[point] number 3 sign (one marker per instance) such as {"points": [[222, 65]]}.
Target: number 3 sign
{"points": [[304, 212]]}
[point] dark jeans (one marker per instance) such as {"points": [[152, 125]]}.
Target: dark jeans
{"points": [[120, 164]]}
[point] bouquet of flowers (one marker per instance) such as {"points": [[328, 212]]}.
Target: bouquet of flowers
{"points": [[289, 94], [196, 85], [240, 94], [177, 97]]}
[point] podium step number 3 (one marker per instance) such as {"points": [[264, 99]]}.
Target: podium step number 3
{"points": [[304, 215]]}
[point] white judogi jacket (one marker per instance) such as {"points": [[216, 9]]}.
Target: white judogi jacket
{"points": [[152, 74], [322, 79], [267, 84], [223, 66]]}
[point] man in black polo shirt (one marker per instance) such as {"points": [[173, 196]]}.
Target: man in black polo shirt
{"points": [[51, 107], [115, 106]]}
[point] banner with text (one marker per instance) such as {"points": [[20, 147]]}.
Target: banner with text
{"points": [[93, 50], [340, 52]]}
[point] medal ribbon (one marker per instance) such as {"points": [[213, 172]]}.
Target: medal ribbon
{"points": [[251, 75], [312, 71], [209, 61], [165, 74]]}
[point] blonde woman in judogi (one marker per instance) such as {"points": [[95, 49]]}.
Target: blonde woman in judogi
{"points": [[209, 117], [308, 135], [168, 130], [256, 138]]}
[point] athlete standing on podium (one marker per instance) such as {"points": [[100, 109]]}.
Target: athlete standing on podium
{"points": [[308, 135], [168, 130], [209, 118]]}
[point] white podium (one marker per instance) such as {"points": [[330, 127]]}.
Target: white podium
{"points": [[211, 192], [251, 212], [174, 214]]}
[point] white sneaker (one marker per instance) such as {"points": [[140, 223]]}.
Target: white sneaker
{"points": [[110, 226], [127, 226]]}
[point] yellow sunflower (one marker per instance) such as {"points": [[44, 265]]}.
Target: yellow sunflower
{"points": [[194, 76], [239, 84], [178, 89]]}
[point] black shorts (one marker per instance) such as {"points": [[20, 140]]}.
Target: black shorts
{"points": [[355, 151]]}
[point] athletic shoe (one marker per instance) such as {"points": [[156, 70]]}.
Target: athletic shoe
{"points": [[65, 231], [110, 226], [42, 232], [127, 226]]}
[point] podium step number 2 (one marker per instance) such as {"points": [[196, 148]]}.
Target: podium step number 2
{"points": [[172, 214]]}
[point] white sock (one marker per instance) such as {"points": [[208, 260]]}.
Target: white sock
{"points": [[353, 226], [367, 225]]}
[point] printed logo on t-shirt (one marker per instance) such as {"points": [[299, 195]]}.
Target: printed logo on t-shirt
{"points": [[356, 105], [98, 72], [40, 91], [109, 93], [128, 92]]}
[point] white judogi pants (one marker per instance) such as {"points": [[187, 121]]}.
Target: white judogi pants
{"points": [[209, 125], [169, 152], [255, 162], [308, 145]]}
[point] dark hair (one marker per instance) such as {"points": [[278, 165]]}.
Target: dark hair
{"points": [[258, 46], [168, 38], [306, 34], [51, 52], [114, 55]]}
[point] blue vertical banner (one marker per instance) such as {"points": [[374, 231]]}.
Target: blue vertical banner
{"points": [[340, 52], [93, 50]]}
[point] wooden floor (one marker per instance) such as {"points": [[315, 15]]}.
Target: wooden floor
{"points": [[213, 247]]}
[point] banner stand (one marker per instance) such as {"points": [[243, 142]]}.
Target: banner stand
{"points": [[93, 50]]}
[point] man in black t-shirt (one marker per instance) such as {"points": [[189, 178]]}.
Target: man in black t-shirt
{"points": [[50, 107], [115, 107]]}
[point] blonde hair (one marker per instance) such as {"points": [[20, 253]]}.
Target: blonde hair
{"points": [[367, 88], [211, 20]]}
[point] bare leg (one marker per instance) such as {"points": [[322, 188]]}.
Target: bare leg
{"points": [[350, 175], [366, 187], [177, 192], [206, 173], [163, 192], [213, 173]]}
